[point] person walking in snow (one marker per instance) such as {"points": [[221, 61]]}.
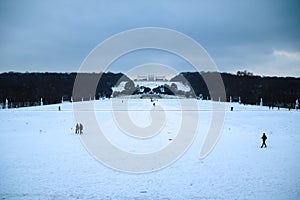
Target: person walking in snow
{"points": [[81, 128], [77, 129], [264, 138]]}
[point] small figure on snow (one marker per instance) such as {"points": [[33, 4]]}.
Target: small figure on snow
{"points": [[81, 128], [77, 129], [264, 138]]}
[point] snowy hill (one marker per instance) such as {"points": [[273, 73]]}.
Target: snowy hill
{"points": [[42, 158]]}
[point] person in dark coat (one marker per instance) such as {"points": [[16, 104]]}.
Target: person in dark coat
{"points": [[264, 138], [81, 128], [77, 129]]}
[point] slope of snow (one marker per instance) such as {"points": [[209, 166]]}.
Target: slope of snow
{"points": [[42, 158]]}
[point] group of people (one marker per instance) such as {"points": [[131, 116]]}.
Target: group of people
{"points": [[79, 128]]}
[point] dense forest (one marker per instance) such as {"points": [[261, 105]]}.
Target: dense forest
{"points": [[275, 91], [27, 89]]}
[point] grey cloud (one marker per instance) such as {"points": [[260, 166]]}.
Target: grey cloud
{"points": [[58, 35]]}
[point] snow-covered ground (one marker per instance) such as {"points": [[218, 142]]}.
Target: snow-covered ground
{"points": [[42, 158]]}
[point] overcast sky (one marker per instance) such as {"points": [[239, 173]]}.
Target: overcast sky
{"points": [[261, 36]]}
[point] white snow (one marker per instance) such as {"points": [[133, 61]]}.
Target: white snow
{"points": [[42, 158]]}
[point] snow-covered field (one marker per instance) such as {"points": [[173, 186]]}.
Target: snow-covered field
{"points": [[42, 158]]}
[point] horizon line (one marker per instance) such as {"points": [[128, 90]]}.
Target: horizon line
{"points": [[74, 72]]}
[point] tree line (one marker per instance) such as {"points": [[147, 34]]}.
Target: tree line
{"points": [[275, 91], [27, 89]]}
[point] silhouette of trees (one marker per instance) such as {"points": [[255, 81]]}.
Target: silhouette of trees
{"points": [[244, 73], [27, 89], [275, 91]]}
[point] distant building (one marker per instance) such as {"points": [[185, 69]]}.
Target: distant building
{"points": [[142, 78], [150, 78], [160, 78]]}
